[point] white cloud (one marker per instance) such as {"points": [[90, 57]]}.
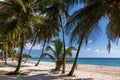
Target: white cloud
{"points": [[74, 51], [104, 51], [66, 47], [90, 41], [97, 50], [36, 47], [88, 49], [115, 49]]}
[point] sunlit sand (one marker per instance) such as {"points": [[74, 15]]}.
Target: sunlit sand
{"points": [[45, 72]]}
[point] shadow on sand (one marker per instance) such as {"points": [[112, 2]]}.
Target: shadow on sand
{"points": [[42, 76], [12, 65]]}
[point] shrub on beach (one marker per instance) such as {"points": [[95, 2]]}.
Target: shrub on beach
{"points": [[14, 73]]}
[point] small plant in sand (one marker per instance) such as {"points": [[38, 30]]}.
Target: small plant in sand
{"points": [[57, 55], [15, 73]]}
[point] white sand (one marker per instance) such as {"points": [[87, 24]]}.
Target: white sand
{"points": [[43, 72]]}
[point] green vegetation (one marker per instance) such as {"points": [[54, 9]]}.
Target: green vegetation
{"points": [[14, 73], [84, 23], [74, 75], [41, 21], [2, 73], [25, 55], [57, 53]]}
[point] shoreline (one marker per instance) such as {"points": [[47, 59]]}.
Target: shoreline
{"points": [[110, 73], [110, 62], [31, 61], [43, 72]]}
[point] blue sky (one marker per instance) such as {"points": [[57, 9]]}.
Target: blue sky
{"points": [[93, 50]]}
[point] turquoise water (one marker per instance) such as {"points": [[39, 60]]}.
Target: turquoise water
{"points": [[91, 61]]}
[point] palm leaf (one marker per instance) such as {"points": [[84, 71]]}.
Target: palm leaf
{"points": [[50, 48], [22, 5], [8, 26], [49, 55], [81, 22]]}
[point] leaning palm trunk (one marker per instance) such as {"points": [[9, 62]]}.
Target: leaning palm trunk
{"points": [[41, 53], [21, 53], [31, 49], [76, 58], [28, 53], [64, 55]]}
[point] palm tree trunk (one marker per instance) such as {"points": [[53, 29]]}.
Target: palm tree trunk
{"points": [[64, 54], [76, 58], [28, 54], [31, 48], [5, 53], [58, 65], [41, 53], [5, 57], [21, 53]]}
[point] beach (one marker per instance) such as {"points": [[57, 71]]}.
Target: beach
{"points": [[45, 72]]}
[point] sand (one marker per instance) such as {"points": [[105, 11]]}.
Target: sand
{"points": [[44, 72]]}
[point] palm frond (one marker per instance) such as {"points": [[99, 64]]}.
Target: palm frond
{"points": [[5, 10], [20, 3], [83, 21], [113, 29], [58, 47], [8, 26], [69, 50], [50, 48], [42, 24], [70, 3], [48, 55]]}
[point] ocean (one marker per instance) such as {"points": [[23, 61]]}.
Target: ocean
{"points": [[115, 62]]}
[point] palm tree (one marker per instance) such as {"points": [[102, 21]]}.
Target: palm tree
{"points": [[83, 21], [58, 12], [41, 53], [64, 55], [12, 42], [81, 36], [45, 31], [58, 52], [13, 54], [61, 12], [17, 14], [33, 44], [4, 48]]}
